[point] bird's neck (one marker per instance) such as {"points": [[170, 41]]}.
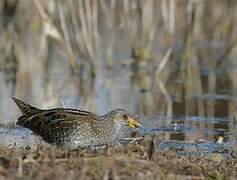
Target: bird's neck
{"points": [[111, 127]]}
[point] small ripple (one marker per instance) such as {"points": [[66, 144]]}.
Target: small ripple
{"points": [[177, 128], [200, 149], [222, 120]]}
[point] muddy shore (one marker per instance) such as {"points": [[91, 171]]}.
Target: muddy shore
{"points": [[141, 160]]}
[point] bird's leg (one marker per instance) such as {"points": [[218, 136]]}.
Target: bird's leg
{"points": [[93, 148]]}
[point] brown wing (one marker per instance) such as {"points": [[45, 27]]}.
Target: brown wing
{"points": [[59, 122]]}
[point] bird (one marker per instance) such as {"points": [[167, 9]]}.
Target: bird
{"points": [[73, 128]]}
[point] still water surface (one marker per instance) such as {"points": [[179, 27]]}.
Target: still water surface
{"points": [[113, 88]]}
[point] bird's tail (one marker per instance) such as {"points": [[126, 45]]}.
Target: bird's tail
{"points": [[26, 110]]}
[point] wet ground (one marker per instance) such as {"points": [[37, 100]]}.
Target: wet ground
{"points": [[141, 160], [183, 155], [175, 151]]}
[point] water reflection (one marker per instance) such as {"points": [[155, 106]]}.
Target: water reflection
{"points": [[120, 87]]}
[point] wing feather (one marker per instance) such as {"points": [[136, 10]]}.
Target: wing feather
{"points": [[59, 122]]}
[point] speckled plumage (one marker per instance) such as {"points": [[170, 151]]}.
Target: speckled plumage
{"points": [[74, 128]]}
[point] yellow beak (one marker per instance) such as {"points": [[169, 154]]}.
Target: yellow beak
{"points": [[132, 123]]}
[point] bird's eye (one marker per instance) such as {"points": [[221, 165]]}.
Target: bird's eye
{"points": [[125, 116]]}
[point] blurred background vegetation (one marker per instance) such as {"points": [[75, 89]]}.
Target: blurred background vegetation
{"points": [[176, 57], [172, 62]]}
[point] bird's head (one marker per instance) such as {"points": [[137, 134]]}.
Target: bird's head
{"points": [[122, 117]]}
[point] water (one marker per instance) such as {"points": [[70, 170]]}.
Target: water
{"points": [[17, 137], [115, 88]]}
